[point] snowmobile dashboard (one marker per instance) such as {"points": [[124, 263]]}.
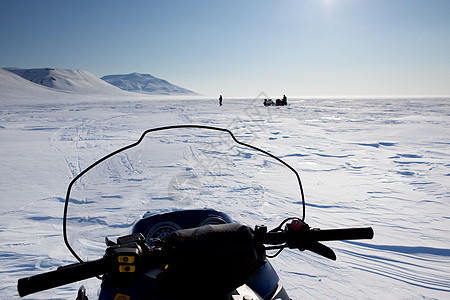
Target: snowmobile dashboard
{"points": [[158, 226]]}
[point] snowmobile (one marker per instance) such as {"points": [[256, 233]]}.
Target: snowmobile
{"points": [[278, 102], [184, 252]]}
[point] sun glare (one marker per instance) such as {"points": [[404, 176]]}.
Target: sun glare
{"points": [[329, 3]]}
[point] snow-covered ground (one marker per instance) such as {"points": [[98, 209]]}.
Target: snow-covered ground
{"points": [[383, 163]]}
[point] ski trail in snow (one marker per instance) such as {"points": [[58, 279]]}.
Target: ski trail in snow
{"points": [[418, 266]]}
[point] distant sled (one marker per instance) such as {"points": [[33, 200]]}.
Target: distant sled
{"points": [[278, 102]]}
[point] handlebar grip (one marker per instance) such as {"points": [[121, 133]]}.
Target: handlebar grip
{"points": [[342, 234], [61, 276]]}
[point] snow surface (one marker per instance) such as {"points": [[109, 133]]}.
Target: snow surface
{"points": [[145, 83], [383, 163]]}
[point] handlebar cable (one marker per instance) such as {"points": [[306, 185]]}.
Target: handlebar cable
{"points": [[280, 249], [69, 188], [279, 227]]}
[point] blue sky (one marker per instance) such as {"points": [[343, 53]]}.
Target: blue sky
{"points": [[241, 48]]}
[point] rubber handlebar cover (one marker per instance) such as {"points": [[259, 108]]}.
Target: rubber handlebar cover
{"points": [[342, 234], [61, 276]]}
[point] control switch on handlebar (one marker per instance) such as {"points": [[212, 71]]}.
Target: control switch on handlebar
{"points": [[127, 258], [297, 224]]}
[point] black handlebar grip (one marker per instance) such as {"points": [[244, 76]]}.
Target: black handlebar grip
{"points": [[342, 234], [61, 276]]}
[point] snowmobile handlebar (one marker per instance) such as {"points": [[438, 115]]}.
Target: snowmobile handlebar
{"points": [[342, 234], [298, 234], [123, 259], [61, 276], [131, 254], [317, 234]]}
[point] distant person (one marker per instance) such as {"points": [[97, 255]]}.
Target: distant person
{"points": [[284, 100], [220, 100]]}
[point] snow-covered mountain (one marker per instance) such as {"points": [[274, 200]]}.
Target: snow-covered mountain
{"points": [[146, 83], [13, 86], [50, 83], [72, 81]]}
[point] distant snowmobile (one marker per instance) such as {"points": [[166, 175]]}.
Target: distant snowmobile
{"points": [[278, 102], [184, 254], [268, 102]]}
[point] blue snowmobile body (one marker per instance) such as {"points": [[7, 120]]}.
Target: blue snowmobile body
{"points": [[263, 283]]}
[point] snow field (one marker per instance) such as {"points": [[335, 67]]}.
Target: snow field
{"points": [[363, 162]]}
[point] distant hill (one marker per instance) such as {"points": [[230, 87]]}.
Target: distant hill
{"points": [[146, 83], [72, 81], [13, 86]]}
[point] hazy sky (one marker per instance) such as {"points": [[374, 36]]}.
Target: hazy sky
{"points": [[241, 48]]}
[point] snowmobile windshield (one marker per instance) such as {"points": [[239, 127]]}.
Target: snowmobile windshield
{"points": [[176, 168]]}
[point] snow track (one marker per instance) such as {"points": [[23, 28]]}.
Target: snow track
{"points": [[363, 162]]}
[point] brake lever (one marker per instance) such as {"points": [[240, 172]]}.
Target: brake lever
{"points": [[322, 250]]}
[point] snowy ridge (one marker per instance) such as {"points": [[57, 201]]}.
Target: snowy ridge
{"points": [[72, 81], [13, 86], [145, 83]]}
